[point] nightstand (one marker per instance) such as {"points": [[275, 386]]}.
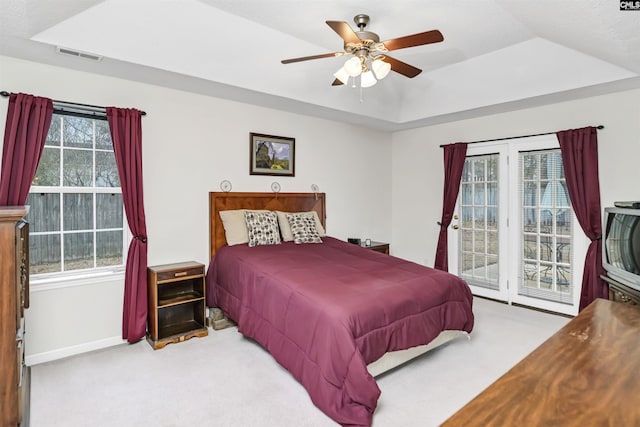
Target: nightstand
{"points": [[176, 295], [381, 247]]}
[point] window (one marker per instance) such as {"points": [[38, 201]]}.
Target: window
{"points": [[76, 213]]}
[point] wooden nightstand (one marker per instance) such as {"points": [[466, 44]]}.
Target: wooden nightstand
{"points": [[176, 294], [378, 247]]}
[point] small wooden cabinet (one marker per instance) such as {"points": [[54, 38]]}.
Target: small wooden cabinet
{"points": [[378, 247], [14, 299], [176, 294], [621, 293]]}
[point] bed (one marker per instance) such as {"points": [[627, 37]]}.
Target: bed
{"points": [[331, 313]]}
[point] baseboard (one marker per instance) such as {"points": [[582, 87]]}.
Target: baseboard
{"points": [[61, 353]]}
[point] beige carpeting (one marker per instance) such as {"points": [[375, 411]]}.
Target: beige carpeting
{"points": [[226, 380]]}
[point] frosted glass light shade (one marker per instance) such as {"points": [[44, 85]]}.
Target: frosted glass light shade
{"points": [[342, 75], [367, 79], [353, 66], [380, 68]]}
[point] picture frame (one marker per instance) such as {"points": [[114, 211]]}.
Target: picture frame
{"points": [[271, 155]]}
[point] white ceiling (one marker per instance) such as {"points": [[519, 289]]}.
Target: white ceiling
{"points": [[497, 55]]}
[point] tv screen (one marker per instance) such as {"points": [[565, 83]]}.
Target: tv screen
{"points": [[621, 255]]}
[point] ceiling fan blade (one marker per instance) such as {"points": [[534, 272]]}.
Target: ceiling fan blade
{"points": [[433, 36], [336, 82], [402, 67], [344, 30], [307, 58]]}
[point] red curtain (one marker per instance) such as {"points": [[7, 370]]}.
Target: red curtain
{"points": [[28, 121], [580, 161], [454, 156], [126, 132]]}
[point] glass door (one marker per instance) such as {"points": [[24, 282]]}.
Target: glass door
{"points": [[476, 238], [514, 237]]}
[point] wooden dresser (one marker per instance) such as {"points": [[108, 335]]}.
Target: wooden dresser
{"points": [[14, 298], [587, 374]]}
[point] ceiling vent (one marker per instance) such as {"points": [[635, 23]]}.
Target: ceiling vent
{"points": [[78, 54]]}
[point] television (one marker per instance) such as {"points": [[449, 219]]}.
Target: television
{"points": [[621, 246]]}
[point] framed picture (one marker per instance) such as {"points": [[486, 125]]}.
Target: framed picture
{"points": [[272, 155]]}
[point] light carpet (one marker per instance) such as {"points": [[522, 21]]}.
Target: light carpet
{"points": [[226, 380]]}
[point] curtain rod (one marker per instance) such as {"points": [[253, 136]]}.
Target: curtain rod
{"points": [[514, 137], [71, 104]]}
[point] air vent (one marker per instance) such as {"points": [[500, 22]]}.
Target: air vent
{"points": [[78, 54]]}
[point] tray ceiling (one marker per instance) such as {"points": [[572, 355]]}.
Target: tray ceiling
{"points": [[497, 55]]}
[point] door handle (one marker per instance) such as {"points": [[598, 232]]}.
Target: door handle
{"points": [[455, 227]]}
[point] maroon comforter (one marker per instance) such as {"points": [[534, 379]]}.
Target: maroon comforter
{"points": [[325, 311]]}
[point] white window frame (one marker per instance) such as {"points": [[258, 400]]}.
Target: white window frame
{"points": [[63, 279]]}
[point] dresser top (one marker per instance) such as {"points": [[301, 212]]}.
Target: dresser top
{"points": [[13, 213], [588, 373]]}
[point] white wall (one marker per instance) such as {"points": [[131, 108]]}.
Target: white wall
{"points": [[418, 160], [190, 144]]}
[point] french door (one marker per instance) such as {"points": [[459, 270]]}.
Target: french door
{"points": [[514, 236]]}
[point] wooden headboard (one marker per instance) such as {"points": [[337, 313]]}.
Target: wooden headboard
{"points": [[287, 202]]}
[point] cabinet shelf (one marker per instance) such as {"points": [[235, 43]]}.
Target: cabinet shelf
{"points": [[179, 329], [179, 299], [176, 295]]}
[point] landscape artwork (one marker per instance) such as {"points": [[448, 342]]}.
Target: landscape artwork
{"points": [[271, 155]]}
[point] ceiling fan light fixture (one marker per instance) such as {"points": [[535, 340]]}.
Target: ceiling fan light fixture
{"points": [[367, 79], [353, 66], [380, 68], [368, 53], [342, 75]]}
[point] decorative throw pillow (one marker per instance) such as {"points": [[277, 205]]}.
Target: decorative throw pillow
{"points": [[235, 226], [303, 228], [285, 229], [262, 228]]}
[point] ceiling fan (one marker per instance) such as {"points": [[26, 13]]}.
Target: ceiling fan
{"points": [[369, 60]]}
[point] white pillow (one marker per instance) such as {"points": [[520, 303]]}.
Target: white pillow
{"points": [[285, 228], [235, 226]]}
